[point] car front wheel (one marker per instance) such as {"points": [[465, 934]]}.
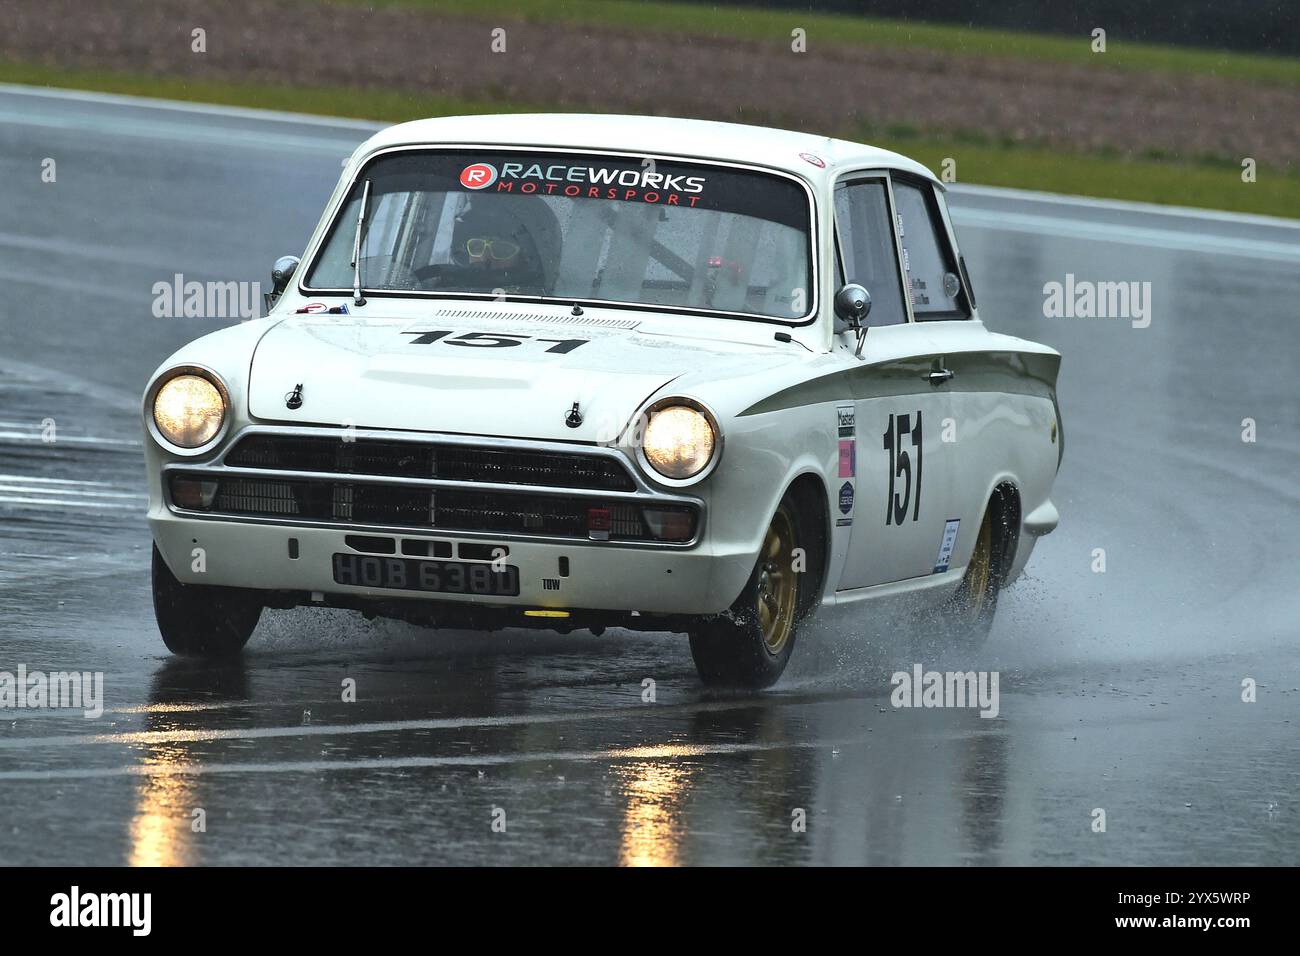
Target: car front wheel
{"points": [[199, 620], [749, 644]]}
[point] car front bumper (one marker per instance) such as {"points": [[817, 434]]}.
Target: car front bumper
{"points": [[601, 577]]}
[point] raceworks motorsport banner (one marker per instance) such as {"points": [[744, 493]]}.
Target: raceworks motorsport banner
{"points": [[600, 178]]}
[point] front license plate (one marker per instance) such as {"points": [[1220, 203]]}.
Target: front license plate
{"points": [[416, 574]]}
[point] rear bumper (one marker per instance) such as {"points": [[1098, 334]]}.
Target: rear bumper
{"points": [[601, 576], [1042, 520]]}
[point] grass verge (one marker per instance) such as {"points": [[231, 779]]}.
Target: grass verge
{"points": [[1209, 185], [393, 106], [775, 25], [1204, 185]]}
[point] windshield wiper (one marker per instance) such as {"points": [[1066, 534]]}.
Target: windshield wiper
{"points": [[357, 298]]}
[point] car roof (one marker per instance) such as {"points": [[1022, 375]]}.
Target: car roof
{"points": [[655, 135]]}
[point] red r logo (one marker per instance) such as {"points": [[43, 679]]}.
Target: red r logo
{"points": [[478, 176]]}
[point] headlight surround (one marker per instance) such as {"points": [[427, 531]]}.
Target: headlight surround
{"points": [[680, 440], [189, 408]]}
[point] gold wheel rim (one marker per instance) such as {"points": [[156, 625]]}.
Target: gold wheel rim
{"points": [[981, 566], [778, 589]]}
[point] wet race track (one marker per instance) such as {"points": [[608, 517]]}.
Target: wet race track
{"points": [[1119, 690]]}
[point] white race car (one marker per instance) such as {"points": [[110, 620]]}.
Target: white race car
{"points": [[589, 371]]}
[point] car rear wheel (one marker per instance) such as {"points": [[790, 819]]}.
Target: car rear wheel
{"points": [[199, 620], [969, 612], [750, 644]]}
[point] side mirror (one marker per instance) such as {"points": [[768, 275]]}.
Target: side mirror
{"points": [[853, 305], [281, 273]]}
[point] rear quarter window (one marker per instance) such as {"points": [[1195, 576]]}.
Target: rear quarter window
{"points": [[933, 279]]}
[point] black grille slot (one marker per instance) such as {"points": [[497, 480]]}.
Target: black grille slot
{"points": [[257, 497], [451, 462], [416, 548], [369, 544]]}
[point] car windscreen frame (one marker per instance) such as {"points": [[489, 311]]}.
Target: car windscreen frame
{"points": [[331, 223]]}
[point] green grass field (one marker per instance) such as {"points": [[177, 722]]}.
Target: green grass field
{"points": [[775, 25]]}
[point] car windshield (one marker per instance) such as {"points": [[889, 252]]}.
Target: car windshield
{"points": [[590, 228]]}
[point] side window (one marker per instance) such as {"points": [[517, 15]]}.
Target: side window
{"points": [[927, 260], [867, 250]]}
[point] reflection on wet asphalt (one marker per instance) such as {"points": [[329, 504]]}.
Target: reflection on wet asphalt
{"points": [[70, 488], [1119, 691], [554, 732]]}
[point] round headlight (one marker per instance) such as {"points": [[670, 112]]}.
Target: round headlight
{"points": [[189, 410], [679, 441]]}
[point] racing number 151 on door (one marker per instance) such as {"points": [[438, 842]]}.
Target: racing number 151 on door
{"points": [[900, 467]]}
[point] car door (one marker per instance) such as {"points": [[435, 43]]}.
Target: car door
{"points": [[899, 471], [943, 304]]}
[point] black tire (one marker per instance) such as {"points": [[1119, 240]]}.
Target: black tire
{"points": [[968, 615], [738, 648], [198, 620]]}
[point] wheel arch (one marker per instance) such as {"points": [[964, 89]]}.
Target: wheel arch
{"points": [[809, 490], [1004, 503]]}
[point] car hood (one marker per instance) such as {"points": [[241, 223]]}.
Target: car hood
{"points": [[449, 374]]}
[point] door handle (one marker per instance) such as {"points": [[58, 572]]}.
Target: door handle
{"points": [[939, 375]]}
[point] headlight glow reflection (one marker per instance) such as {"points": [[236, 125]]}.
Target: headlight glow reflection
{"points": [[189, 410], [679, 441]]}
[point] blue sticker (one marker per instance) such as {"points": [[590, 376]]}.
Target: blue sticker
{"points": [[846, 497]]}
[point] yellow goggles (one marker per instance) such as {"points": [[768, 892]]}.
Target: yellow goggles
{"points": [[498, 249]]}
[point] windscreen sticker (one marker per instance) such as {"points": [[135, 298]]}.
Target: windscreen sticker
{"points": [[946, 545], [642, 184], [587, 176]]}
